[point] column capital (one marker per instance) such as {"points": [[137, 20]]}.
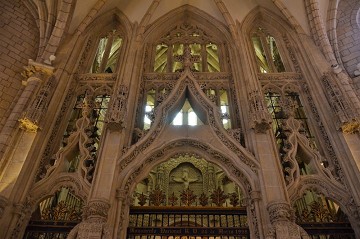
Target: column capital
{"points": [[280, 211], [36, 68], [255, 195], [96, 208]]}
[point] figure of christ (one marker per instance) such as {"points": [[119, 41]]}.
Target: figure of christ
{"points": [[185, 179]]}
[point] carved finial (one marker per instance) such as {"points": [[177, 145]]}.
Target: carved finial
{"points": [[85, 107]]}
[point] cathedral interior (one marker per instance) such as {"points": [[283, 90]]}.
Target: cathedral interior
{"points": [[181, 119]]}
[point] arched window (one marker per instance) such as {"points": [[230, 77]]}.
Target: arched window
{"points": [[107, 54], [281, 107], [98, 105], [322, 217], [267, 53], [55, 216], [169, 52], [164, 61]]}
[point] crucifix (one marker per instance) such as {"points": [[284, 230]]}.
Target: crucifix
{"points": [[185, 179]]}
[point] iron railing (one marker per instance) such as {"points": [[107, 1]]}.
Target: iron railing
{"points": [[188, 222]]}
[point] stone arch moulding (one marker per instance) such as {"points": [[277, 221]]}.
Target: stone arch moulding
{"points": [[187, 87], [210, 141], [334, 192], [134, 172], [48, 187], [272, 21], [109, 20], [192, 15]]}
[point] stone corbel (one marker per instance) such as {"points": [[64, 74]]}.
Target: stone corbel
{"points": [[96, 209], [37, 69]]}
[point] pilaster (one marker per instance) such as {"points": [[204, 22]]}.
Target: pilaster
{"points": [[28, 124]]}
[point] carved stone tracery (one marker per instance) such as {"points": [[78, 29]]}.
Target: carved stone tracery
{"points": [[116, 113]]}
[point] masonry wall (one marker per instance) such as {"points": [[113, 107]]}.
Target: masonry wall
{"points": [[348, 34], [19, 40]]}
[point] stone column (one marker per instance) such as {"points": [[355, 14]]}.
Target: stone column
{"points": [[123, 208], [22, 139], [278, 206], [95, 214]]}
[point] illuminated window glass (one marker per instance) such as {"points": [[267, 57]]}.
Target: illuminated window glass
{"points": [[267, 53], [192, 118], [224, 106], [186, 116], [149, 107], [107, 54], [212, 55], [260, 55], [161, 58], [275, 55], [178, 120]]}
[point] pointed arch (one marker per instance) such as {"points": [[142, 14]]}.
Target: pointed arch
{"points": [[267, 18], [332, 190], [191, 14], [111, 19], [187, 83], [137, 165], [163, 141]]}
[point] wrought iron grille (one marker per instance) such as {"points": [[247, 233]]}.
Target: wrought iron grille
{"points": [[333, 230], [188, 222], [48, 229]]}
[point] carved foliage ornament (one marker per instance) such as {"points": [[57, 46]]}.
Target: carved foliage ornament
{"points": [[157, 197], [96, 209], [280, 211]]}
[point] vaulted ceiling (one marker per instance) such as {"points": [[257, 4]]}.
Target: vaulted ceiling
{"points": [[136, 10]]}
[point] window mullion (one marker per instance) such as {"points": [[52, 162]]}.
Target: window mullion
{"points": [[267, 53], [107, 52], [204, 58], [170, 58]]}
